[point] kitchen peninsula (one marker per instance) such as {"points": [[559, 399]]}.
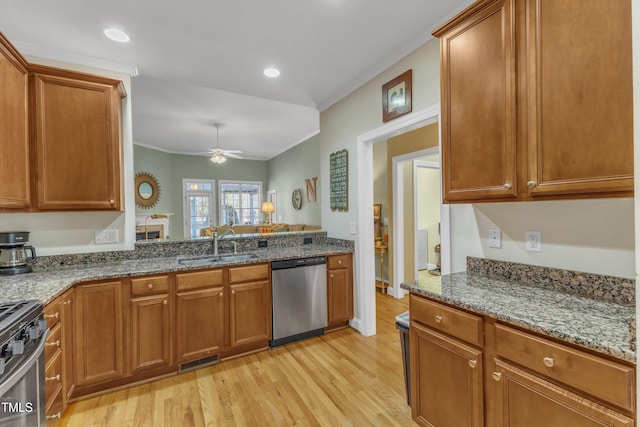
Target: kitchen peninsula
{"points": [[117, 318]]}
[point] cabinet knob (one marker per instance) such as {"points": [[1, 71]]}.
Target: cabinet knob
{"points": [[548, 362], [531, 184], [339, 261], [473, 363], [54, 416], [220, 294], [438, 319], [497, 376], [54, 378], [164, 302], [113, 202], [150, 286], [507, 186], [53, 344], [233, 292], [331, 275]]}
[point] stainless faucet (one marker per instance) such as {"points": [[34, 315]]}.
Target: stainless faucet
{"points": [[216, 238]]}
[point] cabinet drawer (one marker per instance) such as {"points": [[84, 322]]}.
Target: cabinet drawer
{"points": [[52, 313], [200, 279], [149, 286], [54, 409], [596, 376], [248, 273], [457, 323], [338, 261], [53, 378], [53, 343]]}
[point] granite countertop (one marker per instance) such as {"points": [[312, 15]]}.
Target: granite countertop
{"points": [[605, 327], [45, 285]]}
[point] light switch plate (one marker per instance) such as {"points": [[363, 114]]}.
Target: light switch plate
{"points": [[495, 239], [533, 241], [103, 237], [353, 228]]}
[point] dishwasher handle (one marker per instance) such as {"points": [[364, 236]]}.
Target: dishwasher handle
{"points": [[299, 262]]}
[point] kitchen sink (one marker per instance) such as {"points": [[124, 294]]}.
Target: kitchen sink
{"points": [[213, 259]]}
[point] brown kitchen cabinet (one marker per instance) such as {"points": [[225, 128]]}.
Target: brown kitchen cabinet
{"points": [[339, 290], [76, 140], [150, 323], [250, 305], [15, 193], [446, 371], [528, 113], [99, 345], [200, 314], [68, 322]]}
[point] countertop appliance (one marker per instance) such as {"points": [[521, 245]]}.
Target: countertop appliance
{"points": [[23, 332], [15, 256], [299, 288]]}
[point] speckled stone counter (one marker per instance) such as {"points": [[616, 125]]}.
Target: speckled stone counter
{"points": [[603, 326], [45, 284]]}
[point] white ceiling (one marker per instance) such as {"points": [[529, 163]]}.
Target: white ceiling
{"points": [[200, 63]]}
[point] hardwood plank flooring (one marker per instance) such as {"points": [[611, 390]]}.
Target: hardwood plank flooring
{"points": [[339, 379]]}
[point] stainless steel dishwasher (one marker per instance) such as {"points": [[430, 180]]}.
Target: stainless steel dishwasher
{"points": [[299, 288]]}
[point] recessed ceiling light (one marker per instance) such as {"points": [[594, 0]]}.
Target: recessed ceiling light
{"points": [[271, 72], [116, 35]]}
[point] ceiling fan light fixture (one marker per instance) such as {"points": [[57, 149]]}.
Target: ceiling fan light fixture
{"points": [[218, 158], [117, 35]]}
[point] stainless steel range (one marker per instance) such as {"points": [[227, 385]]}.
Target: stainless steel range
{"points": [[23, 332]]}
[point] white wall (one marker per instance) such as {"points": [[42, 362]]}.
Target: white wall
{"points": [[55, 233]]}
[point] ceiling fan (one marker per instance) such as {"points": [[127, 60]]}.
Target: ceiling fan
{"points": [[218, 155]]}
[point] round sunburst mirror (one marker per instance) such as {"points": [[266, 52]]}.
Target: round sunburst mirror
{"points": [[147, 190]]}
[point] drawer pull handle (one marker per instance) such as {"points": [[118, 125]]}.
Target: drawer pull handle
{"points": [[53, 344], [548, 362], [497, 376], [54, 416], [473, 363], [67, 302], [150, 286], [52, 316], [54, 378], [438, 319]]}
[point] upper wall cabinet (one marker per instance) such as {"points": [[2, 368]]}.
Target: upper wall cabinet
{"points": [[14, 129], [76, 140], [537, 100]]}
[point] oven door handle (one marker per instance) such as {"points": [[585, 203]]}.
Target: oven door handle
{"points": [[17, 375]]}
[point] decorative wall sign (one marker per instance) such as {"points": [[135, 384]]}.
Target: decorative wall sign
{"points": [[311, 189], [339, 180], [396, 97]]}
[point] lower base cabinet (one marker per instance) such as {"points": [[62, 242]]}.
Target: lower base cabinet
{"points": [[528, 381], [339, 290]]}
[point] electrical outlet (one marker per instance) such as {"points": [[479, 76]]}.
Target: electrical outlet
{"points": [[533, 241], [103, 237], [495, 240], [353, 228], [262, 243]]}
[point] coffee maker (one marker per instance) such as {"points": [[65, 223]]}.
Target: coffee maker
{"points": [[15, 256]]}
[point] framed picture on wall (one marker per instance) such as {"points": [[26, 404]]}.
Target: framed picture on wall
{"points": [[396, 96], [377, 208]]}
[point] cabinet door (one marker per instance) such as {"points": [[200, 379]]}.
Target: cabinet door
{"points": [[250, 313], [579, 93], [200, 323], [479, 104], [150, 333], [77, 141], [525, 400], [14, 135], [446, 380], [99, 343], [339, 295], [68, 357]]}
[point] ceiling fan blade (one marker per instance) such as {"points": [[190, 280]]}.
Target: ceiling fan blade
{"points": [[232, 151], [234, 156]]}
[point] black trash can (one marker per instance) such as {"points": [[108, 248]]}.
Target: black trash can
{"points": [[402, 323]]}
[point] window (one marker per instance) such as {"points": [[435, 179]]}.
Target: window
{"points": [[199, 211], [240, 202]]}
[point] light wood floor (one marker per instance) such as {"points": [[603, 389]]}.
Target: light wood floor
{"points": [[340, 379]]}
